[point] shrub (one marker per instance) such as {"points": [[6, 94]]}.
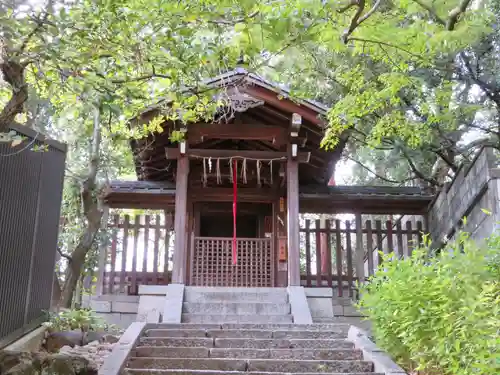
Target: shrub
{"points": [[82, 319], [439, 314]]}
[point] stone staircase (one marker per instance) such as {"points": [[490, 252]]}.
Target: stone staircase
{"points": [[236, 305], [233, 349], [233, 331]]}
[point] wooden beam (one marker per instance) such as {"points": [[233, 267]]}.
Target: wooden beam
{"points": [[285, 104], [173, 153], [200, 132], [252, 195]]}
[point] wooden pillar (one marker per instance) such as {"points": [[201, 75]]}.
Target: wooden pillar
{"points": [[292, 182], [180, 222]]}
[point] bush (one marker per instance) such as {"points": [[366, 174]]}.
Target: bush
{"points": [[441, 314], [82, 319]]}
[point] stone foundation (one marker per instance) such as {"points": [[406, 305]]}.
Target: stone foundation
{"points": [[118, 310]]}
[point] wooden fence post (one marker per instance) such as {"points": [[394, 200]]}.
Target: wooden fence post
{"points": [[360, 252]]}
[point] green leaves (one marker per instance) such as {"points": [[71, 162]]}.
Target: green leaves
{"points": [[439, 314]]}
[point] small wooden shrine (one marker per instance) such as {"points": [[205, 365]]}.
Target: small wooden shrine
{"points": [[236, 186]]}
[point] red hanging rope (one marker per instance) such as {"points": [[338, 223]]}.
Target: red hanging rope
{"points": [[235, 196]]}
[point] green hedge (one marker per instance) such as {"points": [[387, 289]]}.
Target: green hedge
{"points": [[441, 314]]}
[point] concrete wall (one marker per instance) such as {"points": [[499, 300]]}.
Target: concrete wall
{"points": [[475, 188]]}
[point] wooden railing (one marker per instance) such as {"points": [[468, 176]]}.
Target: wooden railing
{"points": [[333, 255], [212, 262], [138, 253]]}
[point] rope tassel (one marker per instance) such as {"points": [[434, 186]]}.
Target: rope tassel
{"points": [[244, 171], [219, 177], [205, 178]]}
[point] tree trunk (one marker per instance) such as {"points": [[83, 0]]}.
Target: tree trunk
{"points": [[13, 74], [93, 215], [78, 257]]}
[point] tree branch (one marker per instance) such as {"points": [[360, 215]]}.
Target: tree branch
{"points": [[377, 175], [40, 22], [89, 184], [238, 20], [431, 11], [13, 74], [455, 14], [66, 256], [382, 43], [415, 170], [358, 17]]}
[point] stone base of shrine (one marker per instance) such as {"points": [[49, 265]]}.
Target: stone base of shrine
{"points": [[325, 303], [119, 310]]}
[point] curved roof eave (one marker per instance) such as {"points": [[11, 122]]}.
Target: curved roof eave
{"points": [[230, 77]]}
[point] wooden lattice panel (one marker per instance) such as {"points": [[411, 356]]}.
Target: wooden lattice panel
{"points": [[212, 262]]}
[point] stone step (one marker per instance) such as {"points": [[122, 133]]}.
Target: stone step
{"points": [[238, 319], [330, 327], [251, 365], [215, 294], [238, 308], [239, 333], [205, 372], [207, 342], [283, 343], [307, 354]]}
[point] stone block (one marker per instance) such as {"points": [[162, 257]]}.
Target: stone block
{"points": [[184, 326], [221, 294], [153, 290], [236, 308], [100, 306], [166, 352], [351, 311], [176, 333], [212, 364], [245, 343], [172, 310], [124, 307], [239, 319], [319, 292], [240, 353], [332, 327], [177, 342], [383, 363], [320, 307], [238, 333], [149, 309], [316, 354], [323, 335], [30, 342], [127, 319], [300, 308], [303, 366], [320, 344], [116, 361], [111, 318]]}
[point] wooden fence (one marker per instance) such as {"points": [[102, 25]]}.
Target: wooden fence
{"points": [[330, 253], [138, 253]]}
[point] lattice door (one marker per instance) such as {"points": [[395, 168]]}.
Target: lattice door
{"points": [[211, 262]]}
